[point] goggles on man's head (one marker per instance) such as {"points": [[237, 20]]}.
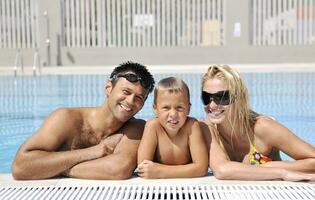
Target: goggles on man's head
{"points": [[220, 98], [133, 78]]}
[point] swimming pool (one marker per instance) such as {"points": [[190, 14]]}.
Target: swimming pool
{"points": [[26, 101]]}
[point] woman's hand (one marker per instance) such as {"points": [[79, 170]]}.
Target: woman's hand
{"points": [[289, 175]]}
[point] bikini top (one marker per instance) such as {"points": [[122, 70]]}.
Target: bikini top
{"points": [[256, 158]]}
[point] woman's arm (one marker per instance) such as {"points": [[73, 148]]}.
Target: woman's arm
{"points": [[223, 168], [276, 135]]}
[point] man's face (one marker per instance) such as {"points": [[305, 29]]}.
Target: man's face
{"points": [[125, 99]]}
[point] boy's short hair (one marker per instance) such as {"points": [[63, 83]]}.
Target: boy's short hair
{"points": [[171, 84], [146, 78]]}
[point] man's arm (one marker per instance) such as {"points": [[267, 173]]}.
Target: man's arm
{"points": [[120, 164], [37, 158]]}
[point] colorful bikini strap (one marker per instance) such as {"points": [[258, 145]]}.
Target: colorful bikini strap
{"points": [[256, 158]]}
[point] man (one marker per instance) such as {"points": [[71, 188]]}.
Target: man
{"points": [[91, 143]]}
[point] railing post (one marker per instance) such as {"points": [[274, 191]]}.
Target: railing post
{"points": [[238, 23], [50, 29], [36, 64], [18, 62]]}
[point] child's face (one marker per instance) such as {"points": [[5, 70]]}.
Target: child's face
{"points": [[171, 109]]}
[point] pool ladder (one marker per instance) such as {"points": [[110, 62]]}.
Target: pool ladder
{"points": [[20, 64], [36, 64]]}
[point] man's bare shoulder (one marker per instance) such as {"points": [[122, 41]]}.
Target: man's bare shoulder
{"points": [[58, 127], [64, 118], [133, 128], [67, 114], [136, 122]]}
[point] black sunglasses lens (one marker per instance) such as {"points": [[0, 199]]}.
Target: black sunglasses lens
{"points": [[222, 102], [205, 97], [223, 98], [220, 98]]}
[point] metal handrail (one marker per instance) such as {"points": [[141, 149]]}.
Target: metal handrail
{"points": [[18, 62], [36, 64]]}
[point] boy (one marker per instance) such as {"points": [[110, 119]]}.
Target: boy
{"points": [[172, 145]]}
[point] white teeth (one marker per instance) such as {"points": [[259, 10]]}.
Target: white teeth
{"points": [[125, 107], [215, 113]]}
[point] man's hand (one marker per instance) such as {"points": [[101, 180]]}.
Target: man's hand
{"points": [[108, 144], [104, 148]]}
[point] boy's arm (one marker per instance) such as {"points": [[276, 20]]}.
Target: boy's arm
{"points": [[198, 167], [120, 164], [38, 157], [148, 142]]}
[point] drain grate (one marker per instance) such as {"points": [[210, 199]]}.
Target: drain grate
{"points": [[160, 192]]}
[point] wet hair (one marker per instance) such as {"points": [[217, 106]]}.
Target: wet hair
{"points": [[243, 115], [135, 68], [172, 85]]}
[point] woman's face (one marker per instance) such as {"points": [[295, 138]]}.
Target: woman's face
{"points": [[215, 94]]}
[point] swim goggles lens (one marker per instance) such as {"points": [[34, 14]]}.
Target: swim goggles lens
{"points": [[220, 98], [134, 78]]}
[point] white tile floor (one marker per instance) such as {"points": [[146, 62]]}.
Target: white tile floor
{"points": [[137, 188]]}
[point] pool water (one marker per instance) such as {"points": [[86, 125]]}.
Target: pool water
{"points": [[26, 101]]}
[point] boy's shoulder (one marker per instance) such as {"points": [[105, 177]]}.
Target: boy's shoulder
{"points": [[191, 121], [152, 122]]}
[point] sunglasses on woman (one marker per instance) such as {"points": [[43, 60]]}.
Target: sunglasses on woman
{"points": [[220, 98], [133, 78]]}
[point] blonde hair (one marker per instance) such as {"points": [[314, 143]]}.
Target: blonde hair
{"points": [[171, 84], [238, 96]]}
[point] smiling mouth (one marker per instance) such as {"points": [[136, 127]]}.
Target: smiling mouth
{"points": [[216, 112], [126, 108]]}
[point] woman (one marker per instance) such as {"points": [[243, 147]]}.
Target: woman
{"points": [[245, 145]]}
